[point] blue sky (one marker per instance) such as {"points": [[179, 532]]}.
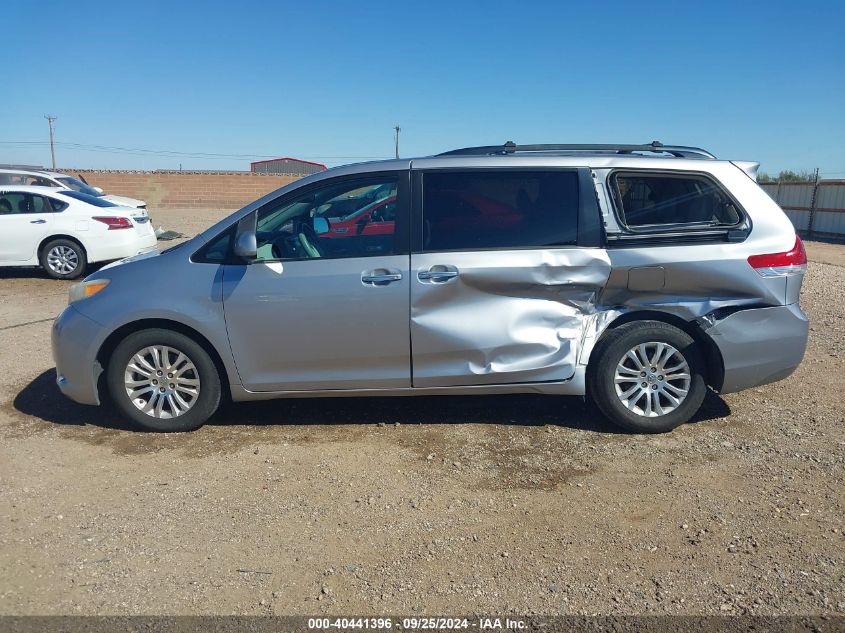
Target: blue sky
{"points": [[328, 81]]}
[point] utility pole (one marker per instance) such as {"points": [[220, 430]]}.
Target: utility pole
{"points": [[50, 120], [397, 129]]}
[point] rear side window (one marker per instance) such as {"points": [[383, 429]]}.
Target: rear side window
{"points": [[13, 203], [499, 209], [646, 201], [38, 181], [57, 205]]}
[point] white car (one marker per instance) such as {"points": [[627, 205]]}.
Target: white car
{"points": [[63, 181], [63, 230]]}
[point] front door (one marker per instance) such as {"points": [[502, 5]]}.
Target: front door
{"points": [[500, 287], [323, 308], [24, 219]]}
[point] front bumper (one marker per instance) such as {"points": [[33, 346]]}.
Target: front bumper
{"points": [[759, 345], [75, 341]]}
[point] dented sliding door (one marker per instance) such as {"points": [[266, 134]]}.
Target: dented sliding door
{"points": [[500, 288]]}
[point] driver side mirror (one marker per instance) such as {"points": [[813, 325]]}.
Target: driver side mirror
{"points": [[246, 242]]}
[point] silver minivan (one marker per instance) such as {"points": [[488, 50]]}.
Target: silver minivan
{"points": [[637, 275]]}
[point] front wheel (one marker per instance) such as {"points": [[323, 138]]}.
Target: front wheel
{"points": [[163, 381], [647, 377]]}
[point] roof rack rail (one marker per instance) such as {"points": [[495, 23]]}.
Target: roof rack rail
{"points": [[678, 151]]}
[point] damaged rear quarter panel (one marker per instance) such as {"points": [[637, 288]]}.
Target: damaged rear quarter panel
{"points": [[698, 279], [509, 317]]}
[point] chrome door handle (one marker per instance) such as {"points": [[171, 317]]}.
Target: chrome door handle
{"points": [[38, 221], [381, 278], [437, 276]]}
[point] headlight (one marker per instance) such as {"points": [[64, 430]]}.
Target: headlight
{"points": [[86, 289]]}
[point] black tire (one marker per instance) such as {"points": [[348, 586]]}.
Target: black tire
{"points": [[63, 244], [610, 351], [205, 403]]}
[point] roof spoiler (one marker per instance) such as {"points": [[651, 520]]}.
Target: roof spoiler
{"points": [[749, 167]]}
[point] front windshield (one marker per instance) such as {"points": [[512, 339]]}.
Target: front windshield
{"points": [[78, 185]]}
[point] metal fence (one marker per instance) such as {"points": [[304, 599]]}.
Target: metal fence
{"points": [[816, 209]]}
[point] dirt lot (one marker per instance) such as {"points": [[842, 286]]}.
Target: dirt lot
{"points": [[500, 504]]}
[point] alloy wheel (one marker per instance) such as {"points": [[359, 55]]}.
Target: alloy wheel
{"points": [[162, 382], [652, 379], [62, 260]]}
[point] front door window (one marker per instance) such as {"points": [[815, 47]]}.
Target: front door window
{"points": [[347, 219]]}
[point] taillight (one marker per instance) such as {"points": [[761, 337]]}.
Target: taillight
{"points": [[792, 262], [115, 223]]}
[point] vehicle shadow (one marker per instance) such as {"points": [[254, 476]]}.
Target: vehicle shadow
{"points": [[35, 272], [42, 399], [23, 273]]}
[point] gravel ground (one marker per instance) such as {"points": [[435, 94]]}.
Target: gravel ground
{"points": [[498, 504]]}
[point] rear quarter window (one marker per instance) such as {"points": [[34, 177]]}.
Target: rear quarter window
{"points": [[653, 201]]}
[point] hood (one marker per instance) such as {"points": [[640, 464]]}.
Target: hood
{"points": [[127, 260], [124, 201], [188, 245]]}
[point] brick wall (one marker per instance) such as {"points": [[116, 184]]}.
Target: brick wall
{"points": [[185, 190]]}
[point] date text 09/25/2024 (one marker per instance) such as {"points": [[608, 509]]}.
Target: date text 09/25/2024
{"points": [[415, 623]]}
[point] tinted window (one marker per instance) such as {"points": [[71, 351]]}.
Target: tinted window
{"points": [[57, 205], [38, 181], [646, 200], [349, 219], [40, 204], [97, 202], [14, 203], [217, 249], [26, 179], [499, 209]]}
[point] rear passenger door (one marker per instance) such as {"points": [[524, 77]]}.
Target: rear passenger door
{"points": [[506, 265], [24, 222]]}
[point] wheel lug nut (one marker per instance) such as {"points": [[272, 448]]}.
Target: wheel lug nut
{"points": [[653, 369], [642, 374], [162, 389], [645, 384], [660, 377], [155, 382], [654, 386], [158, 373], [170, 375], [171, 385]]}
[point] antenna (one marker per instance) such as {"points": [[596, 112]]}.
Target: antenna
{"points": [[397, 129]]}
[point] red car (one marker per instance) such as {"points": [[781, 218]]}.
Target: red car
{"points": [[376, 218]]}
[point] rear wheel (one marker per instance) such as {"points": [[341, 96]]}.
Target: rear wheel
{"points": [[63, 259], [163, 381], [647, 376]]}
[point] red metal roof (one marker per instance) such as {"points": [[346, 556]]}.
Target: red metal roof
{"points": [[298, 160]]}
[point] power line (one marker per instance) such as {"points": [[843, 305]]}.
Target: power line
{"points": [[163, 152]]}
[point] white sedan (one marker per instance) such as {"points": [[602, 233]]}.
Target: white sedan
{"points": [[64, 230]]}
